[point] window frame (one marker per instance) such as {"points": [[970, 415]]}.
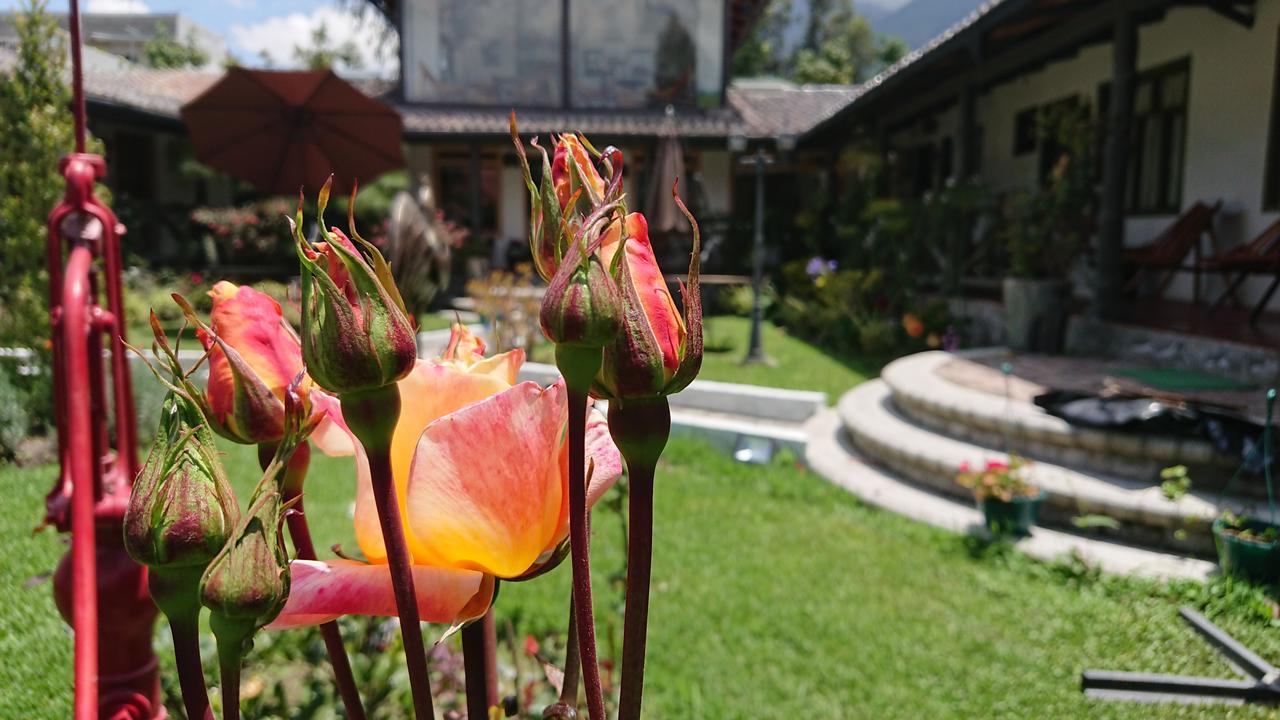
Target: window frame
{"points": [[1271, 168], [1155, 77]]}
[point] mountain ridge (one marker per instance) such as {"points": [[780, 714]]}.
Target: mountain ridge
{"points": [[918, 21]]}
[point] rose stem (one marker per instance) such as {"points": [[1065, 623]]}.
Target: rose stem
{"points": [[479, 661], [579, 538], [569, 688], [229, 660], [184, 625], [640, 429], [372, 417], [295, 475]]}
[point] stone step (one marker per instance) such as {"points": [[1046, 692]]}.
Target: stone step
{"points": [[831, 454], [887, 436], [929, 399]]}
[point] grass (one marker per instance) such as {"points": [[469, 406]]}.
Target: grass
{"points": [[776, 595], [797, 365]]}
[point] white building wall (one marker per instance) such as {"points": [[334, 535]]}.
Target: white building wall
{"points": [[1229, 110], [717, 181]]}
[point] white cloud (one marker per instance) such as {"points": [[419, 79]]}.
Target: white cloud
{"points": [[117, 6], [276, 38]]}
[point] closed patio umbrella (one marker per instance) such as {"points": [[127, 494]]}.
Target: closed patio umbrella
{"points": [[668, 164], [284, 130]]}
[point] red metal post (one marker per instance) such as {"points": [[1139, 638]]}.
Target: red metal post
{"points": [[98, 588]]}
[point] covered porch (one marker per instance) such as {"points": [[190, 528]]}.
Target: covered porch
{"points": [[1174, 124]]}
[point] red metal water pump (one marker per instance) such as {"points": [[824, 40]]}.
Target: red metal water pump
{"points": [[97, 586]]}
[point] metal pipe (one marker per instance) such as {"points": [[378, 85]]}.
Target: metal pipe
{"points": [[77, 76], [75, 335], [1236, 653], [755, 350]]}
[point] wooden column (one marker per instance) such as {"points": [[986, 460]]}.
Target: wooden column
{"points": [[1111, 210], [965, 144], [473, 181]]}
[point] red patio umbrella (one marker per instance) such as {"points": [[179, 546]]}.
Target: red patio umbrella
{"points": [[282, 130]]}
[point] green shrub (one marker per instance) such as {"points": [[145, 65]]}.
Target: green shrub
{"points": [[14, 417], [740, 299], [37, 132]]}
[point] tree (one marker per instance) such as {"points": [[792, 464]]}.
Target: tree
{"points": [[321, 55], [36, 130], [164, 51], [838, 45], [763, 51]]}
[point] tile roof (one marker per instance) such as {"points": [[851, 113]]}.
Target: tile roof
{"points": [[755, 109], [155, 92], [435, 120], [771, 108]]}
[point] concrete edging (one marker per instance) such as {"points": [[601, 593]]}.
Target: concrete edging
{"points": [[1145, 515], [980, 417], [830, 455]]}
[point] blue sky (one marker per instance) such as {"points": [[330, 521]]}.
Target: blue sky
{"points": [[253, 26]]}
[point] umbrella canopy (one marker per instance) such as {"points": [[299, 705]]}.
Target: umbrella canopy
{"points": [[668, 165], [284, 130]]}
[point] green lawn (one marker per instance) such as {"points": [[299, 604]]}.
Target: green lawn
{"points": [[797, 365], [776, 595]]}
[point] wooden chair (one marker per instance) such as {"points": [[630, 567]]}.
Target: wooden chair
{"points": [[1261, 256], [1167, 252]]}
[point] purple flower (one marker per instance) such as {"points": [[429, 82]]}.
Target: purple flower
{"points": [[818, 267]]}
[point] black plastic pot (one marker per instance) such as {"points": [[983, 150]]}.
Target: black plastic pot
{"points": [[1011, 517]]}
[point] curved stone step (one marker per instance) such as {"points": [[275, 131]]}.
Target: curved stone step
{"points": [[920, 393], [830, 454], [1146, 517]]}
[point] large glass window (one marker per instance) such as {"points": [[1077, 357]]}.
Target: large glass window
{"points": [[620, 53], [643, 53], [484, 52]]}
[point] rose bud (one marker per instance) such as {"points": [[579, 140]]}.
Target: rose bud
{"points": [[582, 305], [355, 332], [544, 210], [253, 356], [571, 189], [247, 584], [181, 508], [658, 351], [572, 172]]}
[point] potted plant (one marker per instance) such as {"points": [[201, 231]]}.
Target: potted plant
{"points": [[1248, 548], [1045, 228], [1008, 501]]}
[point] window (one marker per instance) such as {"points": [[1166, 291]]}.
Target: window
{"points": [[133, 164], [1157, 148], [1024, 132], [564, 53], [1271, 183], [626, 53], [481, 52]]}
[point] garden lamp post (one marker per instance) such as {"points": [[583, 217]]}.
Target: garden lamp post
{"points": [[755, 348]]}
